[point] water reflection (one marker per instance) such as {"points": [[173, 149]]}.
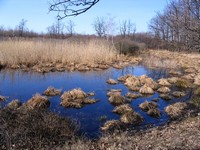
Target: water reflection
{"points": [[23, 85]]}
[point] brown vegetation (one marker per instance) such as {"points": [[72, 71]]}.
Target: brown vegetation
{"points": [[122, 109], [14, 104], [146, 106], [51, 91], [37, 102], [76, 98], [33, 129], [146, 90], [38, 52], [45, 55], [132, 118], [117, 99], [176, 110], [111, 81], [178, 135]]}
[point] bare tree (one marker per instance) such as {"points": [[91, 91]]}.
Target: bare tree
{"points": [[100, 26], [56, 29], [66, 8], [110, 27], [70, 27], [2, 31], [22, 27], [179, 26], [127, 28]]}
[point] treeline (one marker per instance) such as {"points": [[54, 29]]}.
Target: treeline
{"points": [[56, 30], [178, 27]]}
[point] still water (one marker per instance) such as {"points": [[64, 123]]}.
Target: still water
{"points": [[21, 85]]}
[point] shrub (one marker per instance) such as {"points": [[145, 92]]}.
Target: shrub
{"points": [[127, 46]]}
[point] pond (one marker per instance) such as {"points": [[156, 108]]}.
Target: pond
{"points": [[22, 85]]}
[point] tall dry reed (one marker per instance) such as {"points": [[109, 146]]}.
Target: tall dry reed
{"points": [[36, 51]]}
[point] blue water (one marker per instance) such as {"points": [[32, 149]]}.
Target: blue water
{"points": [[21, 85]]}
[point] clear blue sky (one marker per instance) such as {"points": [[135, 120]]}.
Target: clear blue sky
{"points": [[36, 13]]}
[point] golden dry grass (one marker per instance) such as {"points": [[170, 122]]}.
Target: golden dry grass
{"points": [[32, 51], [172, 60]]}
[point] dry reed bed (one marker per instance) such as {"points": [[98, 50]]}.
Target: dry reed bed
{"points": [[61, 54], [54, 51]]}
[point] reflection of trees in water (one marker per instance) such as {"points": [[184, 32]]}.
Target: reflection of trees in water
{"points": [[18, 75], [157, 73], [14, 76], [127, 70]]}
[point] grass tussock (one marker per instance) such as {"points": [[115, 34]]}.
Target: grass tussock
{"points": [[34, 129], [38, 51], [183, 83], [196, 101]]}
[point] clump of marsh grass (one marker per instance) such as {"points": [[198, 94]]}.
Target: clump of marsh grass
{"points": [[34, 129], [183, 83], [40, 51]]}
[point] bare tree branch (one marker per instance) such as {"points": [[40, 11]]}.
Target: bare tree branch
{"points": [[67, 8]]}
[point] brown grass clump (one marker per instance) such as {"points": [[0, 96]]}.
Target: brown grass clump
{"points": [[183, 83], [111, 81], [113, 91], [163, 82], [122, 109], [146, 90], [132, 82], [34, 129], [150, 83], [172, 80], [30, 52], [196, 101], [74, 94], [117, 99], [197, 91], [154, 113], [166, 97], [197, 79], [164, 90], [2, 98], [14, 104], [76, 98], [178, 94], [176, 110], [145, 106], [132, 118], [133, 95], [123, 78], [37, 102], [111, 125], [51, 91]]}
